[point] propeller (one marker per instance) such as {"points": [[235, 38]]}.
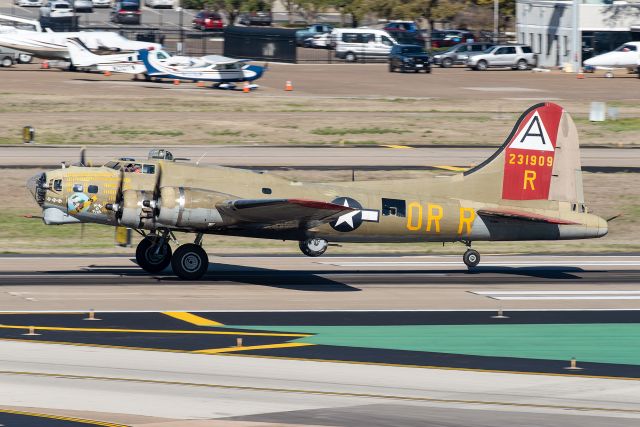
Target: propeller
{"points": [[616, 216], [83, 156]]}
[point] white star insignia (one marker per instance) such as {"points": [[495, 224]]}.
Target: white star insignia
{"points": [[348, 217]]}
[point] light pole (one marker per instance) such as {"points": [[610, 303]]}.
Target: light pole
{"points": [[496, 19], [180, 12], [576, 36]]}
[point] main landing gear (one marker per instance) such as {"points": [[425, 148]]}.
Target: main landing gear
{"points": [[189, 261], [313, 247], [471, 257]]}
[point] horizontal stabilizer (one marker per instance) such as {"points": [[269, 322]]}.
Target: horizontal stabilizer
{"points": [[288, 213], [524, 216]]}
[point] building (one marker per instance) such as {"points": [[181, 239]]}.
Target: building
{"points": [[546, 26]]}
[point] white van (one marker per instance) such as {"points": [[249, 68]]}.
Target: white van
{"points": [[352, 44]]}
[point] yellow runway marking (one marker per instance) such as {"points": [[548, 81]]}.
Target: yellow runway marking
{"points": [[452, 168], [326, 393], [253, 347], [192, 318], [62, 418], [155, 331], [396, 146]]}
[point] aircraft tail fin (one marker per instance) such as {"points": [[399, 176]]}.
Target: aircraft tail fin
{"points": [[539, 160], [145, 57], [80, 54]]}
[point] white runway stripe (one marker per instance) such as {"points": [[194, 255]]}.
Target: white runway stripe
{"points": [[559, 295], [568, 263]]}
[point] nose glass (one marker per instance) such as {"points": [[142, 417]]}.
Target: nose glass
{"points": [[36, 186]]}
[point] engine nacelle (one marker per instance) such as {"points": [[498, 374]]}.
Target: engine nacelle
{"points": [[188, 207], [134, 212]]}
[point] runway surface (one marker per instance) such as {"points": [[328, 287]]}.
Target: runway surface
{"points": [[253, 156], [44, 282]]}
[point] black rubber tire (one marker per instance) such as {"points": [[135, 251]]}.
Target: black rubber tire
{"points": [[7, 61], [350, 57], [146, 260], [522, 65], [427, 70], [482, 65], [447, 63], [311, 252], [391, 68], [190, 262], [471, 258]]}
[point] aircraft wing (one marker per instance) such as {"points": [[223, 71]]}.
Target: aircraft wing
{"points": [[222, 60], [280, 213], [523, 216]]}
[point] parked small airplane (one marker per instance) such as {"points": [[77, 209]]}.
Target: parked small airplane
{"points": [[52, 45], [213, 68], [626, 56], [529, 189], [81, 56]]}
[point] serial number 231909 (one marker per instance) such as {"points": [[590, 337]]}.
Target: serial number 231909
{"points": [[530, 159]]}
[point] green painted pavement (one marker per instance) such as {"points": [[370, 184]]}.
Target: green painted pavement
{"points": [[602, 342]]}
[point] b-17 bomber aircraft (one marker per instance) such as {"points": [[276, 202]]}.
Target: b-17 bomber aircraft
{"points": [[529, 189]]}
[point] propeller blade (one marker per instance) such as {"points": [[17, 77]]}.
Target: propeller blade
{"points": [[616, 216], [83, 156]]}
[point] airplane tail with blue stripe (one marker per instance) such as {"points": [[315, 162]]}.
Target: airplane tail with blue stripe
{"points": [[144, 54]]}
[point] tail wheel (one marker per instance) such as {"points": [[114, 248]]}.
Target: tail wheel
{"points": [[151, 258], [190, 262], [471, 258], [313, 247]]}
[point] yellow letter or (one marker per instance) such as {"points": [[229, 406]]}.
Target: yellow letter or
{"points": [[434, 214], [410, 211], [467, 215], [529, 177]]}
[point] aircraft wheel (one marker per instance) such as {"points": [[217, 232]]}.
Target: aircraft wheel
{"points": [[190, 262], [313, 247], [471, 258], [149, 260]]}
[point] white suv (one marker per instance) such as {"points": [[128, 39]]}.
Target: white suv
{"points": [[518, 57], [353, 44]]}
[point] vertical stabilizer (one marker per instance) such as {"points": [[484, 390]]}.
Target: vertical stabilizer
{"points": [[539, 160]]}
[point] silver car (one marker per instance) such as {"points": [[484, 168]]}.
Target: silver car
{"points": [[83, 6], [518, 57]]}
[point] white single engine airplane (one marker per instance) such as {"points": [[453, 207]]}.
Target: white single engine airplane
{"points": [[218, 69], [626, 56], [53, 45]]}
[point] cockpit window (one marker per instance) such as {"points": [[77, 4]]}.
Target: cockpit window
{"points": [[150, 169], [133, 167], [57, 185], [627, 48], [92, 189], [113, 165]]}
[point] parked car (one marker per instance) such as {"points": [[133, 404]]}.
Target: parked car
{"points": [[206, 20], [518, 57], [448, 38], [29, 3], [101, 3], [352, 44], [261, 17], [126, 12], [407, 57], [8, 57], [459, 53], [319, 41], [85, 6], [303, 36], [157, 4], [405, 32], [56, 9]]}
